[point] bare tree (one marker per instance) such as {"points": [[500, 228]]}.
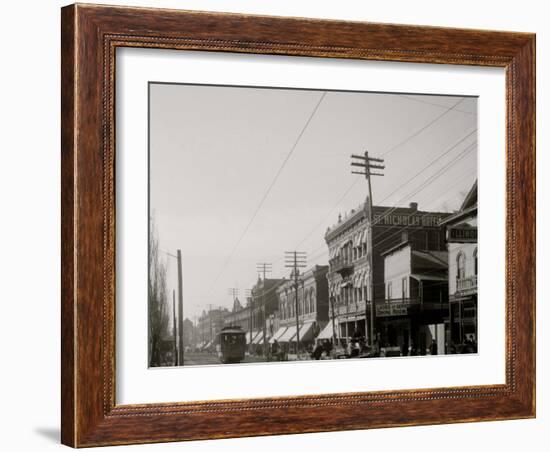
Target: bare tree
{"points": [[157, 298]]}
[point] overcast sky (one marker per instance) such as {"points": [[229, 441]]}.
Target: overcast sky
{"points": [[218, 153]]}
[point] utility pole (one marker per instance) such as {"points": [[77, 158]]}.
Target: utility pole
{"points": [[180, 309], [210, 321], [234, 292], [176, 360], [296, 260], [367, 164], [263, 267], [180, 306], [333, 321], [248, 295]]}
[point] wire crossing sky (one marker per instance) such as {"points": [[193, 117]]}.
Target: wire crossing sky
{"points": [[239, 175]]}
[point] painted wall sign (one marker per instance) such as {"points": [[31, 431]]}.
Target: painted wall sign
{"points": [[391, 309], [462, 235], [431, 221]]}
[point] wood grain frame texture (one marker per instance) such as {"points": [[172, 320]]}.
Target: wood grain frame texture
{"points": [[90, 35]]}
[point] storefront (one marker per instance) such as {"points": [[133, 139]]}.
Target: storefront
{"points": [[412, 332], [462, 321], [350, 327]]}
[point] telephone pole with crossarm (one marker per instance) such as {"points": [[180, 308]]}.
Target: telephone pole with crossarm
{"points": [[296, 260], [366, 165]]}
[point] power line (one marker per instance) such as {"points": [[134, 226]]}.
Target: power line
{"points": [[269, 188], [437, 175], [428, 166], [427, 182], [346, 192], [419, 131], [422, 101], [296, 260], [330, 212], [354, 183], [416, 191], [313, 255]]}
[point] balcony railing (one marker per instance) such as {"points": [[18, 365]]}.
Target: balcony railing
{"points": [[342, 266], [466, 284]]}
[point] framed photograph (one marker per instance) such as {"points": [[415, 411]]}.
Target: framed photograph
{"points": [[281, 225]]}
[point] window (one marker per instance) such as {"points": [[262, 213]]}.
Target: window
{"points": [[389, 291], [475, 261], [404, 288], [460, 266]]}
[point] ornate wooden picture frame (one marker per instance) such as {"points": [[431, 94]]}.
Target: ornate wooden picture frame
{"points": [[90, 37]]}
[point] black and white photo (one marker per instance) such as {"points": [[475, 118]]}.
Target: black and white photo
{"points": [[293, 224]]}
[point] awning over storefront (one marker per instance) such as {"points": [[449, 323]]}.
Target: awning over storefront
{"points": [[326, 332], [259, 339], [458, 297], [255, 334], [306, 332], [288, 335], [351, 318], [428, 277], [277, 334]]}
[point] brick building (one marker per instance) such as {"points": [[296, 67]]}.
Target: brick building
{"points": [[351, 241], [313, 305]]}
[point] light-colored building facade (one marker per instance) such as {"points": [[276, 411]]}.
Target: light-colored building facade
{"points": [[412, 318], [461, 231], [210, 323], [239, 316]]}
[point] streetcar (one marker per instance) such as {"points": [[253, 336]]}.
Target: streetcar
{"points": [[231, 344]]}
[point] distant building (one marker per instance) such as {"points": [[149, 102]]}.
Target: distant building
{"points": [[312, 308], [239, 316], [264, 306], [210, 324], [461, 230], [352, 241], [189, 333]]}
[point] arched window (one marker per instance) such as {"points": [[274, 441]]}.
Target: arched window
{"points": [[475, 261], [460, 266]]}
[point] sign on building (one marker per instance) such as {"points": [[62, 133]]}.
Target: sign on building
{"points": [[462, 235]]}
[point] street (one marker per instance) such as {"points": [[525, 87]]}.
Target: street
{"points": [[201, 359]]}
